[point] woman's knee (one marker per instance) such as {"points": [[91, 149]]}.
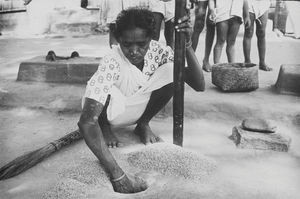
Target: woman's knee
{"points": [[231, 41], [249, 32], [220, 41], [200, 8], [199, 22], [165, 91], [230, 46], [260, 33], [219, 45], [169, 87]]}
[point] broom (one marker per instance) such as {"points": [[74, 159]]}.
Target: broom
{"points": [[30, 159]]}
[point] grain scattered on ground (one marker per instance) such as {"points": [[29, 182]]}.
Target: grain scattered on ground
{"points": [[67, 189], [78, 180], [88, 171], [173, 160]]}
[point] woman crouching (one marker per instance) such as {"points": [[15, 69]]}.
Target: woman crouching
{"points": [[134, 81]]}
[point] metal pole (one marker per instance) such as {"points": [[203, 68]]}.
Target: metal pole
{"points": [[179, 61]]}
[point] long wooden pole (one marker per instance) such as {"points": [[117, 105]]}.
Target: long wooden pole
{"points": [[179, 61]]}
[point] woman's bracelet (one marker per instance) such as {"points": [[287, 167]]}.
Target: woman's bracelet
{"points": [[188, 44], [119, 178]]}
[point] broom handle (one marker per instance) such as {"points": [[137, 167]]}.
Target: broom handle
{"points": [[66, 140]]}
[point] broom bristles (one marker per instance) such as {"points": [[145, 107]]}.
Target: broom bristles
{"points": [[30, 159], [25, 162]]}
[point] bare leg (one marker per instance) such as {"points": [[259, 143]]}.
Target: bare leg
{"points": [[110, 138], [200, 10], [159, 98], [158, 19], [169, 33], [234, 26], [261, 25], [247, 39], [222, 29], [209, 39]]}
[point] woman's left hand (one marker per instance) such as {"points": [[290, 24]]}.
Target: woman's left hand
{"points": [[184, 25]]}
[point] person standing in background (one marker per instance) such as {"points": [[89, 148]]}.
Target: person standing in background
{"points": [[200, 13], [258, 12], [228, 16], [163, 10]]}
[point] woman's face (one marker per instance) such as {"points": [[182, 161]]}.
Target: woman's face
{"points": [[134, 44]]}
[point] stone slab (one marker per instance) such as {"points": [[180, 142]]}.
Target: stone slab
{"points": [[288, 81], [74, 70], [259, 125], [235, 77], [260, 141]]}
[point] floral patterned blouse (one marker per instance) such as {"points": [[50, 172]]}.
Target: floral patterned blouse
{"points": [[115, 70]]}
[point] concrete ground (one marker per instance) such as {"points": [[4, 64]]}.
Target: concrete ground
{"points": [[34, 114]]}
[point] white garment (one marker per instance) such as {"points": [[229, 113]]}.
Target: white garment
{"points": [[167, 9], [226, 9], [117, 77], [258, 7], [109, 9], [124, 111], [294, 16]]}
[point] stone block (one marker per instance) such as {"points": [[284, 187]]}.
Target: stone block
{"points": [[259, 125], [288, 81], [260, 141], [74, 70], [235, 77]]}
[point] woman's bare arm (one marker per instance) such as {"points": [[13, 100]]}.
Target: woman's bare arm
{"points": [[193, 72], [91, 131], [92, 134]]}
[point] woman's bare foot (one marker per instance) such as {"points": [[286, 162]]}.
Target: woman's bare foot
{"points": [[265, 67], [110, 139], [206, 66], [146, 135]]}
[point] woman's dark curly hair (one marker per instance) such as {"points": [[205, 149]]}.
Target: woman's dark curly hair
{"points": [[135, 17]]}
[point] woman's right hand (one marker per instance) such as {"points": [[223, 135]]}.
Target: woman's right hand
{"points": [[129, 184]]}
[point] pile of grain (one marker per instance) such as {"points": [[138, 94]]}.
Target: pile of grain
{"points": [[89, 172], [78, 180], [173, 160], [86, 175], [67, 189]]}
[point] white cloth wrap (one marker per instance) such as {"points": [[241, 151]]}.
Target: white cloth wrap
{"points": [[258, 7], [128, 86], [226, 9], [124, 111]]}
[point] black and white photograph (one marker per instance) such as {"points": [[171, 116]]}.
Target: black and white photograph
{"points": [[149, 99]]}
